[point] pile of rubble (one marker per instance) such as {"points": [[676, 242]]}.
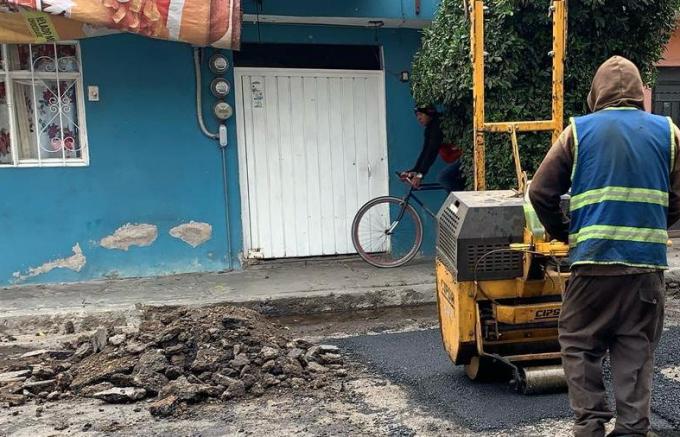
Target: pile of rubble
{"points": [[672, 287], [177, 356]]}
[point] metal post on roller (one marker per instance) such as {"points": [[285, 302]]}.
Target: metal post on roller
{"points": [[555, 125], [559, 14], [477, 50]]}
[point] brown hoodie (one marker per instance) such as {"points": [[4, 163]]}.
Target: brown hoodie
{"points": [[617, 83]]}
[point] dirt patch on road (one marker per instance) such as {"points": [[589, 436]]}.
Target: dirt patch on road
{"points": [[177, 356]]}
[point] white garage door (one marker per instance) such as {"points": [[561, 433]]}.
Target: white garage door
{"points": [[312, 150]]}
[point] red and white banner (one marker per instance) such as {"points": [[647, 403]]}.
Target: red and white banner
{"points": [[214, 23]]}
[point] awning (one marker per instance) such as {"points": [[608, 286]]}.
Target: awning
{"points": [[214, 23]]}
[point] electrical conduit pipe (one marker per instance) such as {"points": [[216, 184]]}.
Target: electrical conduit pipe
{"points": [[223, 149]]}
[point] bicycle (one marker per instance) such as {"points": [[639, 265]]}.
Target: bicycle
{"points": [[374, 221]]}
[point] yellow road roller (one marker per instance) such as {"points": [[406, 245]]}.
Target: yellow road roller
{"points": [[500, 278], [499, 289]]}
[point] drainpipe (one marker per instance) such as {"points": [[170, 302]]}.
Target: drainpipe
{"points": [[222, 138]]}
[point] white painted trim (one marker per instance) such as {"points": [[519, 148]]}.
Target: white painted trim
{"points": [[52, 162], [9, 98], [175, 18], [82, 119], [305, 72], [396, 23], [383, 122], [242, 156]]}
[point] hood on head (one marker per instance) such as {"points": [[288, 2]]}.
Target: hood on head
{"points": [[617, 83]]}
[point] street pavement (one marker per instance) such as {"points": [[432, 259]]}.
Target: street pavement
{"points": [[417, 361], [400, 384]]}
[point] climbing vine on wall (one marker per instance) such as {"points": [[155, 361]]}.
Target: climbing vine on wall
{"points": [[518, 75]]}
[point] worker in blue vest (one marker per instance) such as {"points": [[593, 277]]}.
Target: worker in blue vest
{"points": [[622, 166]]}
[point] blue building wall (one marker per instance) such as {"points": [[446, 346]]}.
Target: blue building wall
{"points": [[405, 9], [149, 163]]}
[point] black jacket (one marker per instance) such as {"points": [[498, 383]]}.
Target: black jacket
{"points": [[431, 144]]}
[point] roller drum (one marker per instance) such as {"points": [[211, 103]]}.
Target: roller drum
{"points": [[540, 379]]}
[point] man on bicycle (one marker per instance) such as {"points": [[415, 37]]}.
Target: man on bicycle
{"points": [[450, 177]]}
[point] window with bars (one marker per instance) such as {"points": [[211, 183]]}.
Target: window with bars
{"points": [[42, 116]]}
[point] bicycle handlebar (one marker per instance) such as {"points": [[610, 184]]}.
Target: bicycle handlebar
{"points": [[422, 187]]}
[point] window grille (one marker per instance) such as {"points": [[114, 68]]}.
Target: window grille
{"points": [[42, 116]]}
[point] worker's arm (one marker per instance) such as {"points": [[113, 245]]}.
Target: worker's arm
{"points": [[674, 195], [551, 181]]}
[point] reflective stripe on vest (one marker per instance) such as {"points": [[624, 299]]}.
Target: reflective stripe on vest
{"points": [[619, 194], [625, 233], [673, 145]]}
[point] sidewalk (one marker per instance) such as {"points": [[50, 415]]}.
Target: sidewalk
{"points": [[278, 288]]}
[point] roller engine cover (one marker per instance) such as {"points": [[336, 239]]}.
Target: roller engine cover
{"points": [[475, 229]]}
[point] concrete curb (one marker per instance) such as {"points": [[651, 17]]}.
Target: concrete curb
{"points": [[314, 302], [358, 299]]}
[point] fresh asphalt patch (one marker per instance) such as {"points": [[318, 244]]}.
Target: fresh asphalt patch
{"points": [[417, 361], [666, 394]]}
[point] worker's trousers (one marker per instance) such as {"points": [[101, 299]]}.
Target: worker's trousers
{"points": [[622, 315]]}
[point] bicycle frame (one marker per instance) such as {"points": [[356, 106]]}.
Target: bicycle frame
{"points": [[411, 195]]}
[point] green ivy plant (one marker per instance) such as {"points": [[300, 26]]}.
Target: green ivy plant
{"points": [[518, 66]]}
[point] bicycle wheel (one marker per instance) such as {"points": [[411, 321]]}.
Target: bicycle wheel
{"points": [[386, 232]]}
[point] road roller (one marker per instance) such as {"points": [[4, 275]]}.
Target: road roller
{"points": [[499, 290], [500, 277]]}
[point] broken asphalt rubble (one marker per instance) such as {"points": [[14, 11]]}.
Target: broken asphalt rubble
{"points": [[178, 355]]}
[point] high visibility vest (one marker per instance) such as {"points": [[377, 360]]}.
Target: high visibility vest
{"points": [[623, 158]]}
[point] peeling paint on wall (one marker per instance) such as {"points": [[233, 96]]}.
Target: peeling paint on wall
{"points": [[75, 262], [192, 233], [141, 235]]}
